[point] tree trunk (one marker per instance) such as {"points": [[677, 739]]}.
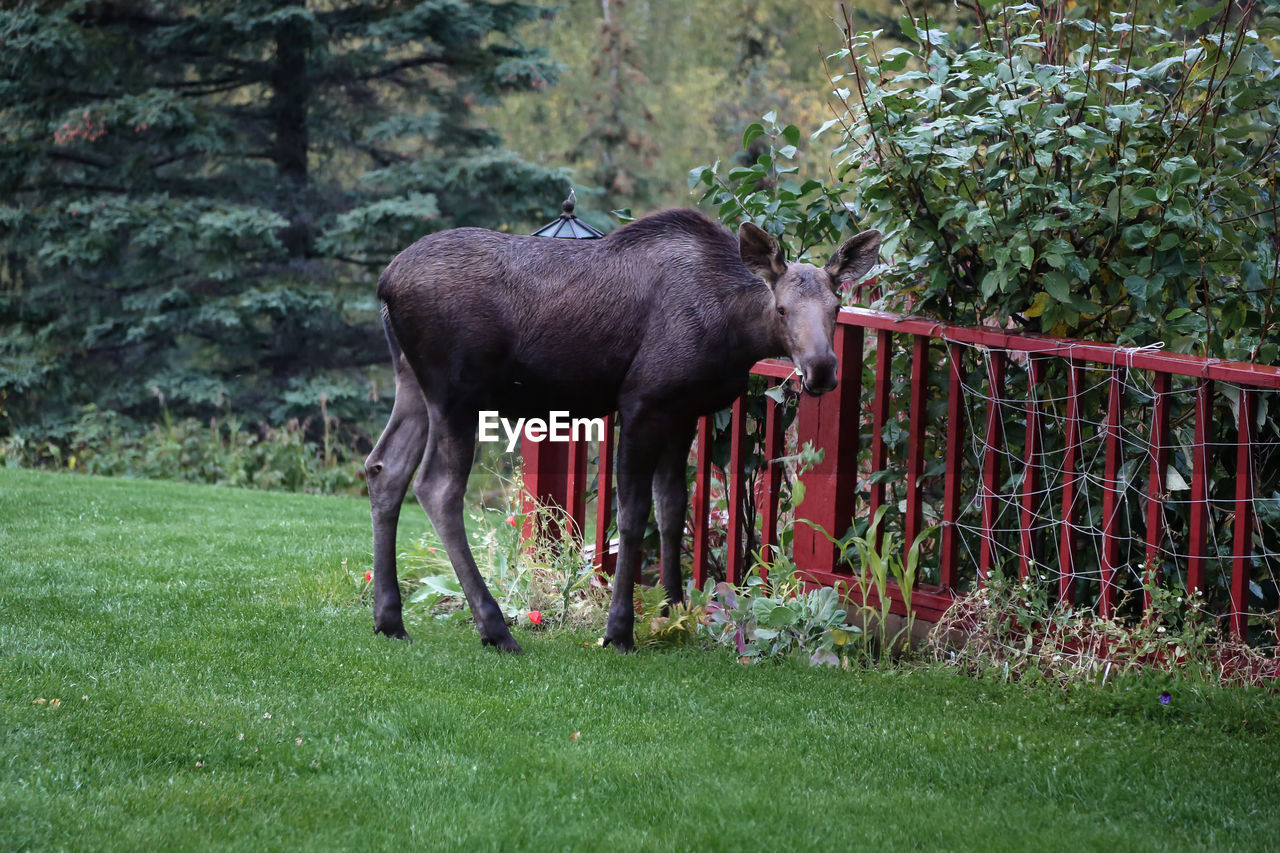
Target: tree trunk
{"points": [[291, 87]]}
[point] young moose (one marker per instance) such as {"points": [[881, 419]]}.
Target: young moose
{"points": [[660, 321]]}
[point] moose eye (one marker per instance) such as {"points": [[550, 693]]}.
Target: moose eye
{"points": [[782, 312]]}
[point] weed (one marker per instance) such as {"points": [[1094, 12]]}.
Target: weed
{"points": [[1015, 629], [548, 575], [878, 564], [777, 619]]}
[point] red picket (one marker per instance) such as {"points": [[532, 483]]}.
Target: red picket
{"points": [[949, 555], [1242, 524], [1031, 466], [735, 493], [701, 501], [1199, 508], [991, 462], [1070, 476], [918, 419], [1158, 450], [1111, 496]]}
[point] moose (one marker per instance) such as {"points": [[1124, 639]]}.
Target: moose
{"points": [[660, 322]]}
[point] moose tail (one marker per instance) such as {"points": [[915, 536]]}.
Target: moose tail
{"points": [[392, 342]]}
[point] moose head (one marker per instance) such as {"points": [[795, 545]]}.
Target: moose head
{"points": [[805, 297]]}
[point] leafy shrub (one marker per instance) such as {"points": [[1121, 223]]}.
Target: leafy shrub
{"points": [[1113, 177], [769, 623], [805, 215], [220, 452]]}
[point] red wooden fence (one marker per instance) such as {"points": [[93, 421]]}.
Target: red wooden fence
{"points": [[1048, 501]]}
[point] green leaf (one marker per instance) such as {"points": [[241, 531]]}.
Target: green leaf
{"points": [[1130, 112], [1185, 175], [1058, 286], [909, 28], [896, 59], [1198, 15], [990, 284], [753, 132], [1137, 287]]}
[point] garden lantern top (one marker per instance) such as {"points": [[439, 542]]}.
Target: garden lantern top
{"points": [[568, 225]]}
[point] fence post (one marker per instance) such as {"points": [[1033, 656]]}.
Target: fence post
{"points": [[1242, 523], [950, 538], [831, 422], [701, 501], [604, 561], [555, 474], [991, 468]]}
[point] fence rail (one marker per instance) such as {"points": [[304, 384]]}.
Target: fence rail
{"points": [[1094, 466]]}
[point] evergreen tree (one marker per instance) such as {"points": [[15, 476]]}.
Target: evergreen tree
{"points": [[618, 141], [195, 198]]}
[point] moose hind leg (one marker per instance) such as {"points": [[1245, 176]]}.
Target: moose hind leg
{"points": [[440, 488], [388, 471]]}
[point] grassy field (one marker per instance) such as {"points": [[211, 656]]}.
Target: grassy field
{"points": [[219, 687]]}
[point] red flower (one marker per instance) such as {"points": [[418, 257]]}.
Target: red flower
{"points": [[511, 520], [368, 576], [535, 616]]}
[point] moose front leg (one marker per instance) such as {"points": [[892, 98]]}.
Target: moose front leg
{"points": [[638, 451], [671, 502]]}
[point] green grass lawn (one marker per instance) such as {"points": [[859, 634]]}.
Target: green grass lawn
{"points": [[220, 687]]}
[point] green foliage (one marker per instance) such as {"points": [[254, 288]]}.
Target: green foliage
{"points": [[805, 215], [662, 625], [778, 619], [647, 89], [196, 198], [1113, 177], [879, 563], [546, 582], [219, 452]]}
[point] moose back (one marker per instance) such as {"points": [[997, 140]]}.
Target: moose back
{"points": [[660, 321]]}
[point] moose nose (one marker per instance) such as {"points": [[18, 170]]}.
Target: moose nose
{"points": [[820, 375]]}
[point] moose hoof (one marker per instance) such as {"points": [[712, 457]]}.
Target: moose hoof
{"points": [[621, 645], [395, 631], [622, 639], [502, 644], [619, 630]]}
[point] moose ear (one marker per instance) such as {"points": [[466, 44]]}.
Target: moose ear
{"points": [[761, 253], [854, 257]]}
